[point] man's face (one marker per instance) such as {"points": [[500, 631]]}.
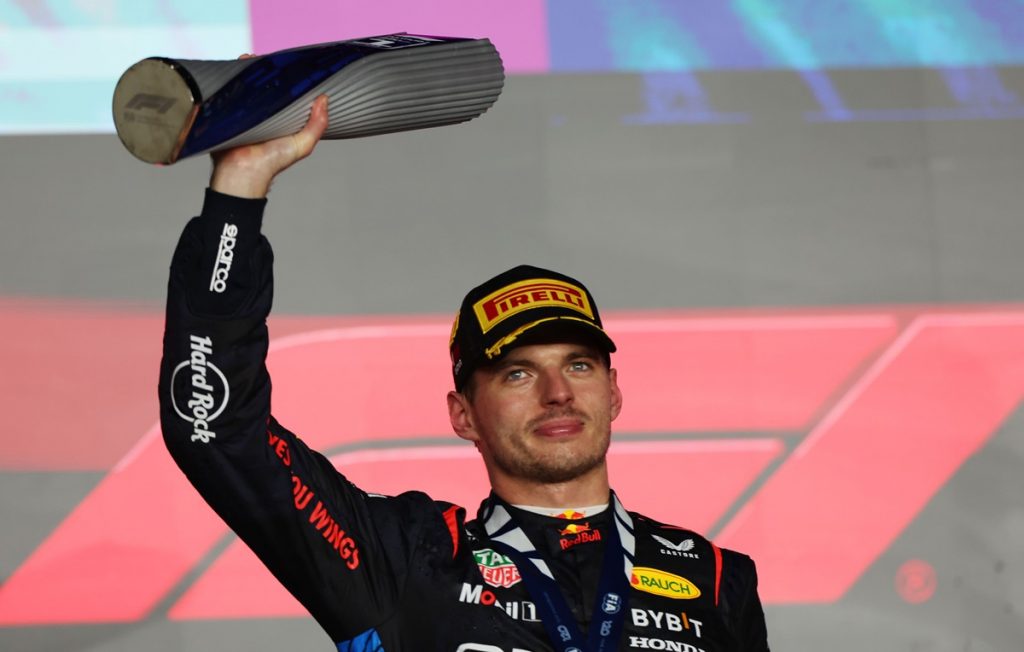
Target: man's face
{"points": [[543, 413]]}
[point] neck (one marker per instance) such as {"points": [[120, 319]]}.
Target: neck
{"points": [[592, 488]]}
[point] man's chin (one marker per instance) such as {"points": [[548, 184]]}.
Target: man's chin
{"points": [[559, 471], [560, 475]]}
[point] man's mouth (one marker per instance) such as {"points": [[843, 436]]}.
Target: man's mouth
{"points": [[559, 427]]}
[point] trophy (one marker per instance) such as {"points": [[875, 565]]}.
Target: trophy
{"points": [[168, 109]]}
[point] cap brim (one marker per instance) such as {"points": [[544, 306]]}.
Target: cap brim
{"points": [[554, 329]]}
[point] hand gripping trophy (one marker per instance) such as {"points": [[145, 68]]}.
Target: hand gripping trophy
{"points": [[168, 109]]}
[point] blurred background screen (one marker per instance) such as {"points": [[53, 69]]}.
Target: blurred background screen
{"points": [[59, 59]]}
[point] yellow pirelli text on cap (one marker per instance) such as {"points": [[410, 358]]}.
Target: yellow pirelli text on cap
{"points": [[526, 295], [455, 330], [658, 582]]}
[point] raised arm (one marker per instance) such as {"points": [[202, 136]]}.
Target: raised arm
{"points": [[334, 547]]}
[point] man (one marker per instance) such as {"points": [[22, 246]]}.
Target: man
{"points": [[553, 561]]}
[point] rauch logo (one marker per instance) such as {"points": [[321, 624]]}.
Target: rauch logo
{"points": [[658, 582]]}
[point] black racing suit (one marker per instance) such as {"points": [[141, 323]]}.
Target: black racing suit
{"points": [[405, 572]]}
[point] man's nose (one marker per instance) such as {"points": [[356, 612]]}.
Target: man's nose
{"points": [[556, 388]]}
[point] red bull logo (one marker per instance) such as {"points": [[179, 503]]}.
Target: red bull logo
{"points": [[524, 295], [570, 515], [575, 528], [577, 533]]}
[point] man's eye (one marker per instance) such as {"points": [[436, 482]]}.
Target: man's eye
{"points": [[579, 365], [516, 374]]}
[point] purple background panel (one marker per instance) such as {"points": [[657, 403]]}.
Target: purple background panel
{"points": [[518, 29]]}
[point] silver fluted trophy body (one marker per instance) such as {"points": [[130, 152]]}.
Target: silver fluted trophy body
{"points": [[168, 109]]}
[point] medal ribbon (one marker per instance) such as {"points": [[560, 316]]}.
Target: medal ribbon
{"points": [[609, 612]]}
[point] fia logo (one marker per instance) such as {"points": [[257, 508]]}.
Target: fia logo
{"points": [[611, 603]]}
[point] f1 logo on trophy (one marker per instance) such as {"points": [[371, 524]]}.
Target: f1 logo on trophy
{"points": [[168, 109]]}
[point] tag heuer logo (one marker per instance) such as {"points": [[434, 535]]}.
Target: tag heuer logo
{"points": [[496, 569], [681, 549]]}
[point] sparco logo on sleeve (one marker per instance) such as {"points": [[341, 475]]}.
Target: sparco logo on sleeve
{"points": [[225, 254], [200, 386]]}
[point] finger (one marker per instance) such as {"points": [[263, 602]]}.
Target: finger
{"points": [[319, 114], [315, 127]]}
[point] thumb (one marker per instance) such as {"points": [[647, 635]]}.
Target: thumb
{"points": [[306, 139]]}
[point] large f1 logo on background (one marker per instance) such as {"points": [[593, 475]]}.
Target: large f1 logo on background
{"points": [[808, 440]]}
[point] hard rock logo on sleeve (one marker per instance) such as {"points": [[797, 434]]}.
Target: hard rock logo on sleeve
{"points": [[199, 390]]}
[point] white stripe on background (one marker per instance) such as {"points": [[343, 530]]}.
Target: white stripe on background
{"points": [[96, 53]]}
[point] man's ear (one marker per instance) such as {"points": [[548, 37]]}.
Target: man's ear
{"points": [[616, 393], [461, 417]]}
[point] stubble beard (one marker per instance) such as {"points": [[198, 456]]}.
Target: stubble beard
{"points": [[557, 462]]}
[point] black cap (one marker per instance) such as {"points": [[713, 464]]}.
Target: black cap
{"points": [[498, 312]]}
